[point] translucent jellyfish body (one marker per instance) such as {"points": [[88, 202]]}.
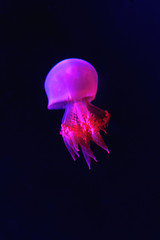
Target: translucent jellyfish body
{"points": [[72, 85]]}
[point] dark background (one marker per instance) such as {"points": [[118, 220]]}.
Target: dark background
{"points": [[44, 194]]}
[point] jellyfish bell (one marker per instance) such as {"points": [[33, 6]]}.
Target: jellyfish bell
{"points": [[72, 84], [70, 80]]}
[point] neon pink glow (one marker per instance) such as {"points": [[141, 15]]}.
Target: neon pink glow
{"points": [[72, 84]]}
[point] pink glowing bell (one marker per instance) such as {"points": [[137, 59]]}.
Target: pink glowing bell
{"points": [[72, 84]]}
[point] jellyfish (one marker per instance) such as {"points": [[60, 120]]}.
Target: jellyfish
{"points": [[72, 85]]}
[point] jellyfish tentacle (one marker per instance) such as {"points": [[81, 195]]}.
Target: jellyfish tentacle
{"points": [[75, 143], [70, 142], [88, 151], [86, 156], [97, 138], [69, 149]]}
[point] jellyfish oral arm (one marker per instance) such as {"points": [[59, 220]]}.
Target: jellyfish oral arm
{"points": [[82, 122]]}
